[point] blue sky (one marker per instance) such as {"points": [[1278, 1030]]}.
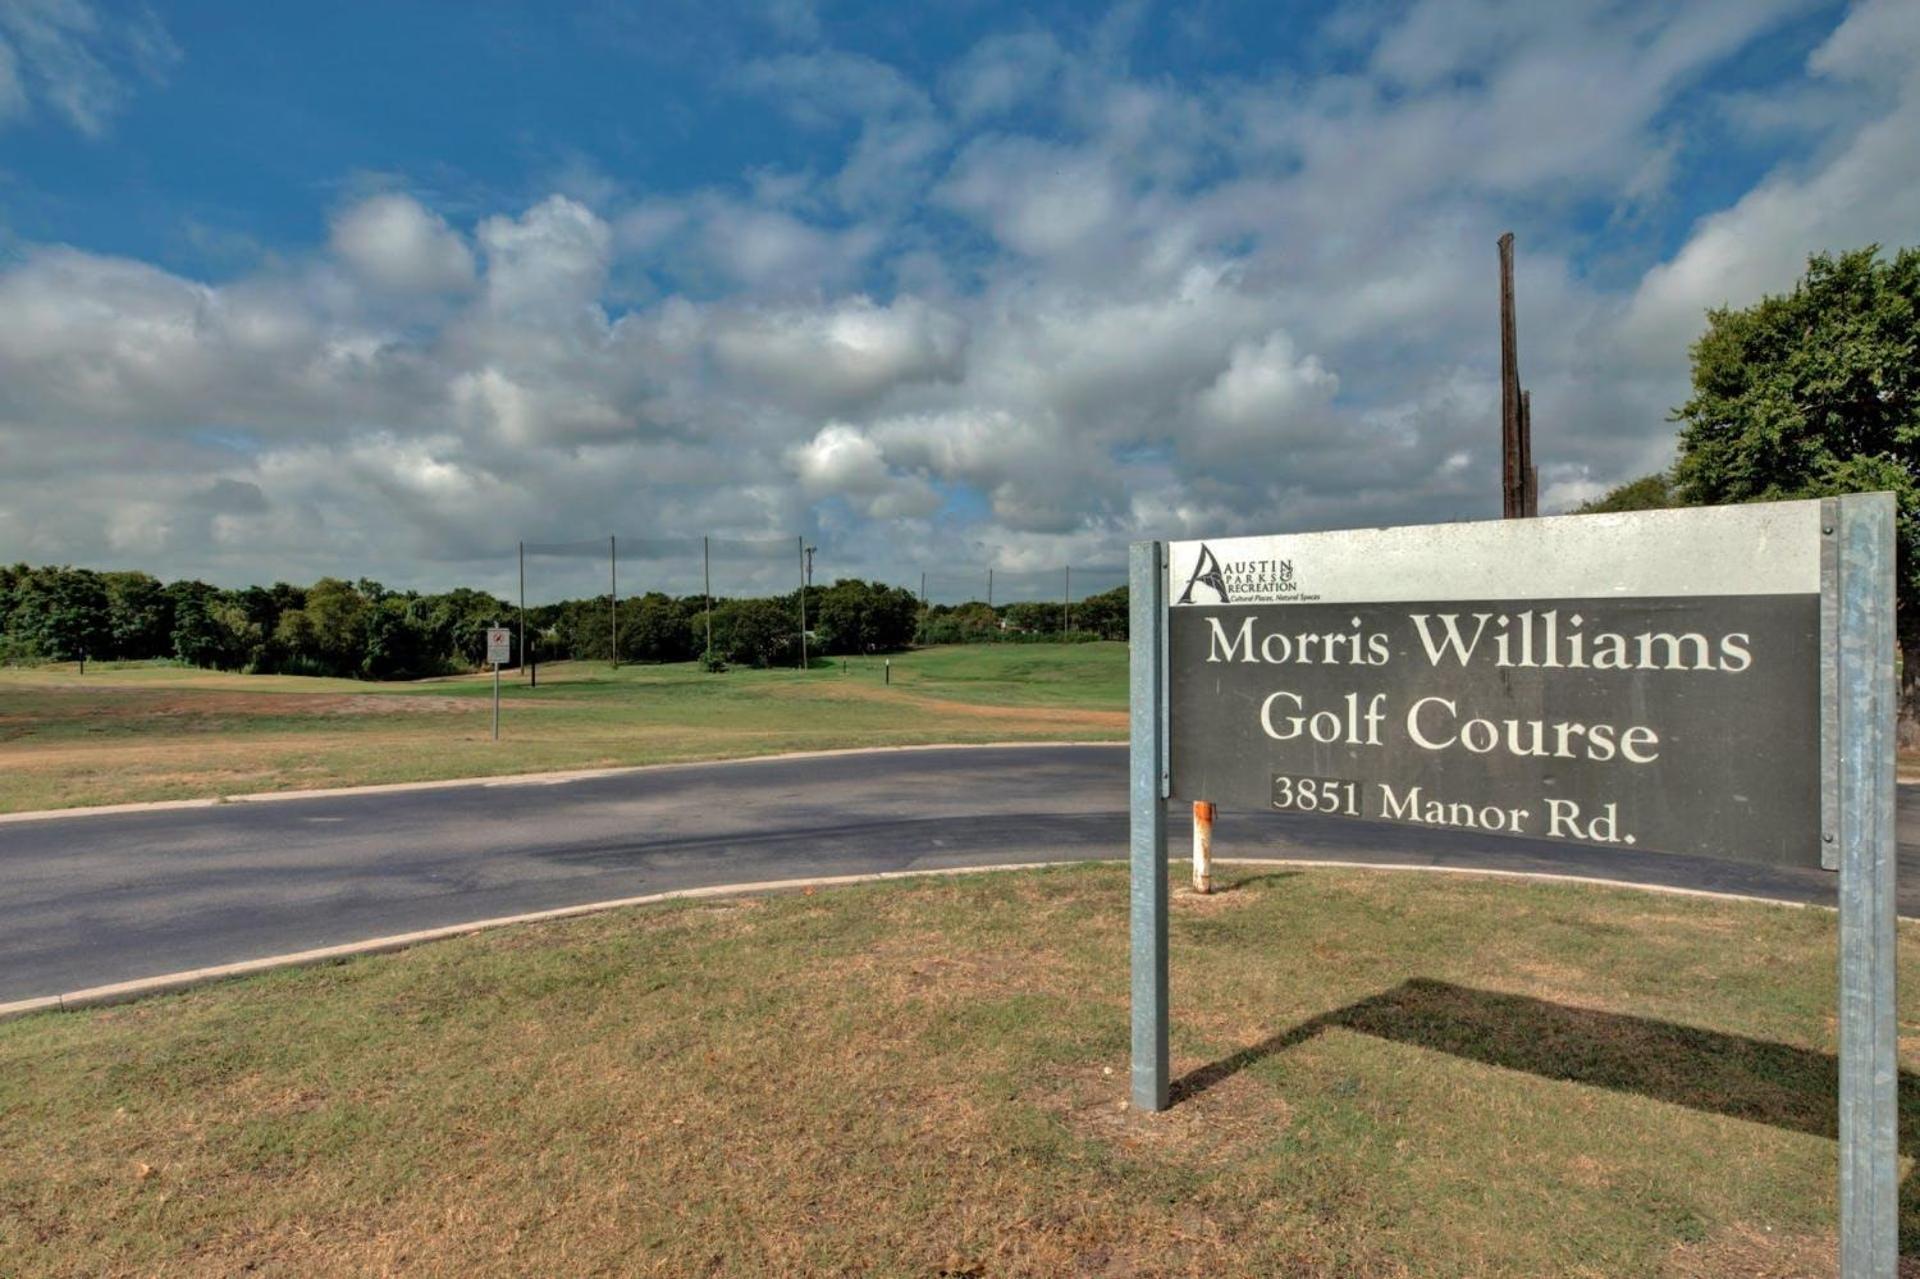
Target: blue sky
{"points": [[383, 288]]}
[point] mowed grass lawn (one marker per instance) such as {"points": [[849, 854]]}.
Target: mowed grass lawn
{"points": [[1381, 1074], [142, 732]]}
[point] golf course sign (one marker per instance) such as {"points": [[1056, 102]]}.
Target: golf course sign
{"points": [[1649, 680]]}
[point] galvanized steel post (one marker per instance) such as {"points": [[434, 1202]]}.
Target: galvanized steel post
{"points": [[1147, 793], [1869, 1067]]}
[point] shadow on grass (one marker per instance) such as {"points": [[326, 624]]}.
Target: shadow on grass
{"points": [[1752, 1079]]}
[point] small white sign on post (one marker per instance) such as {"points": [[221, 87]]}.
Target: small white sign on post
{"points": [[499, 653]]}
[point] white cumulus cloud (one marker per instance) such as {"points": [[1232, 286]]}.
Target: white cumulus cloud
{"points": [[392, 242]]}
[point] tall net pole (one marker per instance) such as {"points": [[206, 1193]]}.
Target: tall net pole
{"points": [[706, 585], [989, 588], [800, 543], [613, 597], [523, 607], [1066, 605]]}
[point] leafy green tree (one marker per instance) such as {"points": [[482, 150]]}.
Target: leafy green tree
{"points": [[198, 638], [1648, 493], [62, 613], [1104, 614], [13, 647], [338, 613], [238, 640], [584, 630], [854, 616], [974, 622], [757, 632], [1813, 393], [653, 628], [400, 641], [296, 647], [1034, 617], [139, 616], [459, 621]]}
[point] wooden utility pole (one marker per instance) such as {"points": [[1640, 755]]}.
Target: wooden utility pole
{"points": [[1519, 484]]}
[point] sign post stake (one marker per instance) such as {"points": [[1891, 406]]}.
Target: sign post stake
{"points": [[1869, 1068], [1203, 813], [496, 701], [1146, 677]]}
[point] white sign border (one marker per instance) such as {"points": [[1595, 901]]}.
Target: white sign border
{"points": [[1768, 548]]}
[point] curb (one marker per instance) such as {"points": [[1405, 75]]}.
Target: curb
{"points": [[1540, 876], [514, 779], [172, 983]]}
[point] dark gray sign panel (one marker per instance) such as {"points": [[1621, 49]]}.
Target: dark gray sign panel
{"points": [[1649, 680]]}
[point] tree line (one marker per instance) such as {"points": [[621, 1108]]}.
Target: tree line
{"points": [[364, 630], [1096, 617]]}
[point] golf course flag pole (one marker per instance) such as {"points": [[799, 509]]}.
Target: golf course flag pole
{"points": [[1147, 794], [1869, 1064]]}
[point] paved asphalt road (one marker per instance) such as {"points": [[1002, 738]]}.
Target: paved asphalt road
{"points": [[92, 899]]}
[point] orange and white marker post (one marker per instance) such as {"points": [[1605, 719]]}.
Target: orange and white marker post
{"points": [[1202, 846]]}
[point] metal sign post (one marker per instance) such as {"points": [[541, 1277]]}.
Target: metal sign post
{"points": [[1147, 796], [1869, 1062], [1574, 679], [499, 652]]}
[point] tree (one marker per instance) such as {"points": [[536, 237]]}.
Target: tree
{"points": [[400, 641], [199, 638], [338, 614], [1648, 493], [1815, 393], [238, 641], [853, 616], [1036, 618], [62, 613], [1104, 614], [756, 633], [139, 615], [459, 621], [653, 628], [297, 648]]}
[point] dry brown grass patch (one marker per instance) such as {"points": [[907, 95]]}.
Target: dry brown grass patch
{"points": [[1751, 1252]]}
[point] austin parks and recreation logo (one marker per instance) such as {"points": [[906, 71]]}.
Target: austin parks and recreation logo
{"points": [[1239, 581]]}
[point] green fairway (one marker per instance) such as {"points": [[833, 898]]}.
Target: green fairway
{"points": [[142, 732], [1378, 1074]]}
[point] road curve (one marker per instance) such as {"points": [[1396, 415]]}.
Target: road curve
{"points": [[91, 899]]}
